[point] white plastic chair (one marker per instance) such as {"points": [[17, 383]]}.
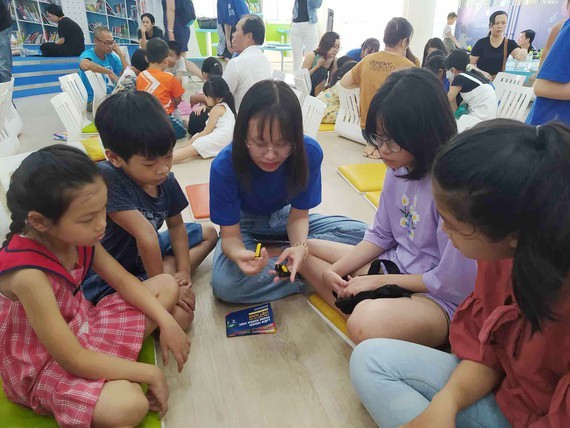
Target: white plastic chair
{"points": [[513, 100], [13, 123], [298, 93], [515, 79], [126, 52], [279, 75], [69, 116], [465, 122], [347, 123], [9, 142], [303, 82], [73, 85], [99, 86], [313, 112]]}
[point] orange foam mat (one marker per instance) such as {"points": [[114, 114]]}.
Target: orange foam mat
{"points": [[199, 198]]}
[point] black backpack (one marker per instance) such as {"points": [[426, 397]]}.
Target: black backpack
{"points": [[185, 12]]}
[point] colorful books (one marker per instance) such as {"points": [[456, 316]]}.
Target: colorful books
{"points": [[254, 320]]}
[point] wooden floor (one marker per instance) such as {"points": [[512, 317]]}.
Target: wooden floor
{"points": [[295, 378]]}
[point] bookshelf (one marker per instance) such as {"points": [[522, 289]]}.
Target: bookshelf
{"points": [[30, 21], [121, 16]]}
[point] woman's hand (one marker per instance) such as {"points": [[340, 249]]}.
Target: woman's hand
{"points": [[157, 394], [173, 338], [334, 281], [328, 62], [248, 263], [171, 36], [295, 257]]}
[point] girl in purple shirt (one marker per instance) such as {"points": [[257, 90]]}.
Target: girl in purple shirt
{"points": [[409, 119]]}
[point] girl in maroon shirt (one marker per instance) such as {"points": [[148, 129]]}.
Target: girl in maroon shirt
{"points": [[503, 190]]}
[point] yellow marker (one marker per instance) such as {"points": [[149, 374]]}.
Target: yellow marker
{"points": [[284, 269], [258, 250]]}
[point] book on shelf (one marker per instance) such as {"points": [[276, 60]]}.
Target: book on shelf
{"points": [[254, 320], [29, 13], [35, 38], [95, 24], [95, 6], [120, 31]]}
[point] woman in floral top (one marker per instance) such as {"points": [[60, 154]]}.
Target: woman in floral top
{"points": [[409, 119]]}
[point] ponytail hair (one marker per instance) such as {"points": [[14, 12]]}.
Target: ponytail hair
{"points": [[45, 182], [212, 67], [510, 179], [216, 87]]}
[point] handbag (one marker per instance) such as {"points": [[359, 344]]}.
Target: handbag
{"points": [[207, 23]]}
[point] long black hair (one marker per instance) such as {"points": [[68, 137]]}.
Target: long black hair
{"points": [[271, 102], [216, 87], [435, 43], [45, 182], [413, 109], [326, 43], [509, 179]]}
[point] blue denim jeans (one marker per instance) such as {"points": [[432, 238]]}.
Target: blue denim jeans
{"points": [[230, 284], [5, 55], [396, 381]]}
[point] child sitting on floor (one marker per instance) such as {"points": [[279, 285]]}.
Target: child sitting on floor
{"points": [[128, 80], [503, 189], [161, 84], [177, 64], [220, 125], [142, 195], [408, 121], [60, 354], [211, 67]]}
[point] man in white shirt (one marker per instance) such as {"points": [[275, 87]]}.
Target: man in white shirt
{"points": [[251, 66]]}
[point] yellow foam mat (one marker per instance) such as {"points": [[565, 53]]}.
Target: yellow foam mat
{"points": [[330, 316], [326, 127], [364, 177], [373, 198], [16, 416]]}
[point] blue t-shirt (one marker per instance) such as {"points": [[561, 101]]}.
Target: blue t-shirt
{"points": [[354, 54], [268, 191], [123, 194], [111, 61], [231, 11], [556, 68]]}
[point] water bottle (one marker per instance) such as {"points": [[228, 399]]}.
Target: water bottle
{"points": [[528, 61]]}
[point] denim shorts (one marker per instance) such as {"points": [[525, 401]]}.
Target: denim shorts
{"points": [[95, 288]]}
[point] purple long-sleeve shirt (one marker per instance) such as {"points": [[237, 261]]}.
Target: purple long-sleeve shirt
{"points": [[408, 226]]}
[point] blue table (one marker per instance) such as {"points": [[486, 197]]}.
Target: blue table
{"points": [[520, 68], [277, 47]]}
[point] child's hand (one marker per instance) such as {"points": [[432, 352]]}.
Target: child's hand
{"points": [[334, 281], [362, 283], [249, 264], [157, 394], [173, 338], [200, 110], [187, 299], [295, 257], [183, 278], [113, 77]]}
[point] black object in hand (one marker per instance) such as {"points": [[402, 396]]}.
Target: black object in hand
{"points": [[390, 291], [282, 271]]}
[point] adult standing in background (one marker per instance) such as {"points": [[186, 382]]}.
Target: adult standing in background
{"points": [[229, 14], [71, 41], [5, 47], [449, 40], [251, 66], [150, 31], [490, 53], [178, 16], [304, 31]]}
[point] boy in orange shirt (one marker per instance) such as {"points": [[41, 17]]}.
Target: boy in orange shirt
{"points": [[161, 84]]}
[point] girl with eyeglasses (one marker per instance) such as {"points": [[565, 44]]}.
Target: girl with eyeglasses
{"points": [[503, 189], [409, 120], [262, 187]]}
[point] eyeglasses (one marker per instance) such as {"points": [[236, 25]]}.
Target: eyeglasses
{"points": [[107, 43], [379, 140], [258, 150]]}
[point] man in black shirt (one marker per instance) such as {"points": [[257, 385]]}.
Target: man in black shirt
{"points": [[5, 48], [71, 41]]}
